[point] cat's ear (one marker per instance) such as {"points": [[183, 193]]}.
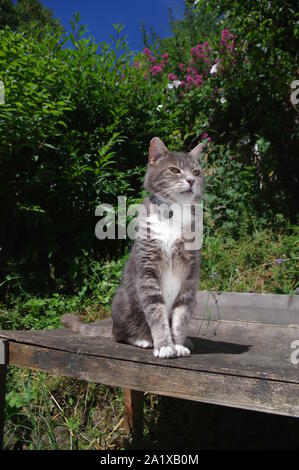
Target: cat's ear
{"points": [[157, 150], [197, 151]]}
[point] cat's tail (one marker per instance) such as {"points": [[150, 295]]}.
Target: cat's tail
{"points": [[95, 329]]}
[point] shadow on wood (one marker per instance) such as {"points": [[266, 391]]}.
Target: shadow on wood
{"points": [[208, 346]]}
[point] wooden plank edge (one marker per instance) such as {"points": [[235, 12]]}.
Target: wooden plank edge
{"points": [[255, 394], [166, 363], [249, 299]]}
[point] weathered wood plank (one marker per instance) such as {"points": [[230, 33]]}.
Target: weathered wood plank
{"points": [[251, 350], [251, 299], [249, 307], [240, 392]]}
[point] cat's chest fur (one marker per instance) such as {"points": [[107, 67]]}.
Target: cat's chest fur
{"points": [[167, 232], [169, 237], [171, 283]]}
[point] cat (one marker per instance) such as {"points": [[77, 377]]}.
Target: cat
{"points": [[154, 301]]}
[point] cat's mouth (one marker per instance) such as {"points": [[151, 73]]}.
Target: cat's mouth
{"points": [[188, 191]]}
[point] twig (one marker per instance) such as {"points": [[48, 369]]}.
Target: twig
{"points": [[56, 402], [116, 427]]}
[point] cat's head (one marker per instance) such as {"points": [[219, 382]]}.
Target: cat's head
{"points": [[174, 176]]}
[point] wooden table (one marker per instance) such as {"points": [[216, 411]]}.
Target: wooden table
{"points": [[246, 355]]}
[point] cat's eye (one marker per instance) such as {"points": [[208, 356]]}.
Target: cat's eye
{"points": [[173, 169], [196, 172]]}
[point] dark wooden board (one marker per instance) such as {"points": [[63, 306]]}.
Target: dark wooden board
{"points": [[241, 392], [243, 349]]}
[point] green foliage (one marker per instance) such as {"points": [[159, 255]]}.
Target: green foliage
{"points": [[8, 14], [262, 262], [27, 16], [257, 93], [77, 121], [57, 154], [40, 413], [247, 102]]}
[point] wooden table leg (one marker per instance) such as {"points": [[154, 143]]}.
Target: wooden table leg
{"points": [[133, 412], [3, 371]]}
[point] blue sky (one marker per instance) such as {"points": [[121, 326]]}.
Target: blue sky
{"points": [[99, 15]]}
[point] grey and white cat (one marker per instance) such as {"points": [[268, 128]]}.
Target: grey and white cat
{"points": [[154, 301]]}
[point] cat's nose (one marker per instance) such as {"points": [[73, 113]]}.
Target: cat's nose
{"points": [[190, 181]]}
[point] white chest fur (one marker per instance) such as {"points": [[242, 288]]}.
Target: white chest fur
{"points": [[171, 286], [168, 232]]}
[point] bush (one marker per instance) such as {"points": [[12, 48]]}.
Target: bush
{"points": [[78, 118]]}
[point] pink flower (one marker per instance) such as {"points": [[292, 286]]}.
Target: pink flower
{"points": [[156, 70], [226, 35], [165, 58], [153, 60], [227, 40], [198, 80], [189, 81], [137, 65], [194, 80], [205, 136], [182, 67], [191, 69], [200, 51], [147, 52], [172, 77]]}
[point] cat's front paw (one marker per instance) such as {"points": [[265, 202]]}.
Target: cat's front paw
{"points": [[182, 351], [165, 352]]}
